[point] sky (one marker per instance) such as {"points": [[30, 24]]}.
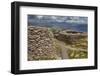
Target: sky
{"points": [[76, 23], [66, 19]]}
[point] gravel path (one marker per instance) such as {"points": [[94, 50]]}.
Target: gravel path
{"points": [[64, 54]]}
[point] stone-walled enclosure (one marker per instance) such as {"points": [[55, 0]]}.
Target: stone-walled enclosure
{"points": [[45, 43]]}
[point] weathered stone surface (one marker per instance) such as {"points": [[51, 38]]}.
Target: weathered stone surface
{"points": [[40, 44]]}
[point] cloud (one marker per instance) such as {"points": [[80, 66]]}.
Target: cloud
{"points": [[54, 17], [66, 19], [39, 16], [79, 20]]}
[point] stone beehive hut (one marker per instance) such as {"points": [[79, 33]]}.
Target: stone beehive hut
{"points": [[40, 44]]}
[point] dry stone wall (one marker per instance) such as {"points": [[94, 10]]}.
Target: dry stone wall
{"points": [[40, 44], [70, 38]]}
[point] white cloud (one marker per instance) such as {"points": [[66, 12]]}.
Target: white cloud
{"points": [[68, 19], [39, 17], [54, 17], [81, 20]]}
